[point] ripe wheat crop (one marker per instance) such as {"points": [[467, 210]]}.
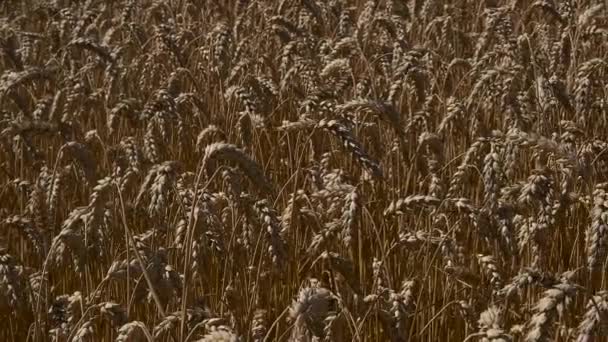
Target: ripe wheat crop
{"points": [[303, 170]]}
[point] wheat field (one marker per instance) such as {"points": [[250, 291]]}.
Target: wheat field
{"points": [[304, 170]]}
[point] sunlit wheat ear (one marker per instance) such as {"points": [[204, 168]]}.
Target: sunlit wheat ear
{"points": [[401, 205], [584, 83], [85, 332], [87, 44], [245, 96], [385, 110], [597, 232], [493, 176], [219, 336], [594, 319], [230, 153], [207, 135], [352, 145], [337, 73], [453, 117], [11, 79], [272, 227], [309, 311], [491, 326], [350, 217], [304, 123], [291, 212], [134, 331], [164, 328], [158, 185], [547, 310], [469, 160], [25, 227]]}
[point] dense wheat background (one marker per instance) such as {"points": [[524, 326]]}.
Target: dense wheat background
{"points": [[303, 170]]}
